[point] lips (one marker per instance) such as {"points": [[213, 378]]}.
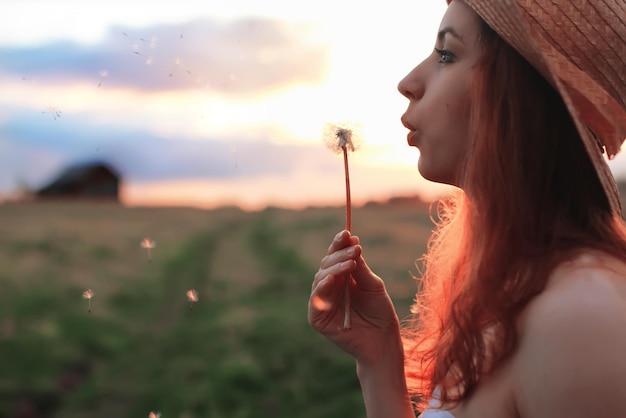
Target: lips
{"points": [[412, 136]]}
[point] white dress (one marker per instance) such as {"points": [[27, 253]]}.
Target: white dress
{"points": [[436, 413], [433, 410]]}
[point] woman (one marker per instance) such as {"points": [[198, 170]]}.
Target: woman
{"points": [[522, 304]]}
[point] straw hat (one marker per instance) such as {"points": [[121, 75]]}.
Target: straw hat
{"points": [[579, 46]]}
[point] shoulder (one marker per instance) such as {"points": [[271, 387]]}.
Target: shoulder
{"points": [[572, 355], [586, 288]]}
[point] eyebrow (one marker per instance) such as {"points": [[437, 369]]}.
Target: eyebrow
{"points": [[442, 33]]}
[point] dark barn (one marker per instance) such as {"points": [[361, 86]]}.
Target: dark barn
{"points": [[97, 181]]}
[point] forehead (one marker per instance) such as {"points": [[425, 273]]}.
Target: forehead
{"points": [[461, 22]]}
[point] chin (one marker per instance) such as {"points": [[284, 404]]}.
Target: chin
{"points": [[437, 174]]}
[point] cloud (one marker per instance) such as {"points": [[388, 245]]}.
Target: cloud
{"points": [[28, 140], [247, 56]]}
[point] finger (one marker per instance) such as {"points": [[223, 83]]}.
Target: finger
{"points": [[322, 301], [340, 268], [324, 288], [339, 256], [342, 239]]}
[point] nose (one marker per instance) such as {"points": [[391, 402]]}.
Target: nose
{"points": [[411, 85]]}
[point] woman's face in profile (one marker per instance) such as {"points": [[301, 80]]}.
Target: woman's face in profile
{"points": [[438, 90]]}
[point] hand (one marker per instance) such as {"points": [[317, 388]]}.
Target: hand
{"points": [[375, 324]]}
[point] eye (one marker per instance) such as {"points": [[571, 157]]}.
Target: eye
{"points": [[445, 56]]}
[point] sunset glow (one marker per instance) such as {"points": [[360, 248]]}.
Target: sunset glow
{"points": [[206, 105]]}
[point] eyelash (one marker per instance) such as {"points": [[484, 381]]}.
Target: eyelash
{"points": [[445, 56]]}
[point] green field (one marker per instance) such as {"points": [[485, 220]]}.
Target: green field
{"points": [[244, 350]]}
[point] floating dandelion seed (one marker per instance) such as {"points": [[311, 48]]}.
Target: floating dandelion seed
{"points": [[147, 57], [341, 138], [154, 415], [103, 75], [148, 244], [53, 111], [88, 294], [320, 304], [192, 296]]}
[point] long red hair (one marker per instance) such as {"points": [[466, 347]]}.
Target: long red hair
{"points": [[530, 199]]}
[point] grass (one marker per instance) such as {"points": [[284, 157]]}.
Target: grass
{"points": [[244, 350]]}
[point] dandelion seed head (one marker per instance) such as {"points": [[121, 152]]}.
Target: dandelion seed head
{"points": [[192, 295], [344, 138], [320, 304], [88, 294], [154, 415], [338, 136]]}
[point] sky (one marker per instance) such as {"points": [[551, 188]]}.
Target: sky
{"points": [[221, 102]]}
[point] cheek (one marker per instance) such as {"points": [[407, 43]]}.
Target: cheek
{"points": [[457, 97], [456, 130], [458, 115], [458, 106]]}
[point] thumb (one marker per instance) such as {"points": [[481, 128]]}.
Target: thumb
{"points": [[365, 278]]}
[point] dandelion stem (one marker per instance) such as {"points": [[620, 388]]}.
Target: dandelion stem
{"points": [[348, 198], [347, 322]]}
